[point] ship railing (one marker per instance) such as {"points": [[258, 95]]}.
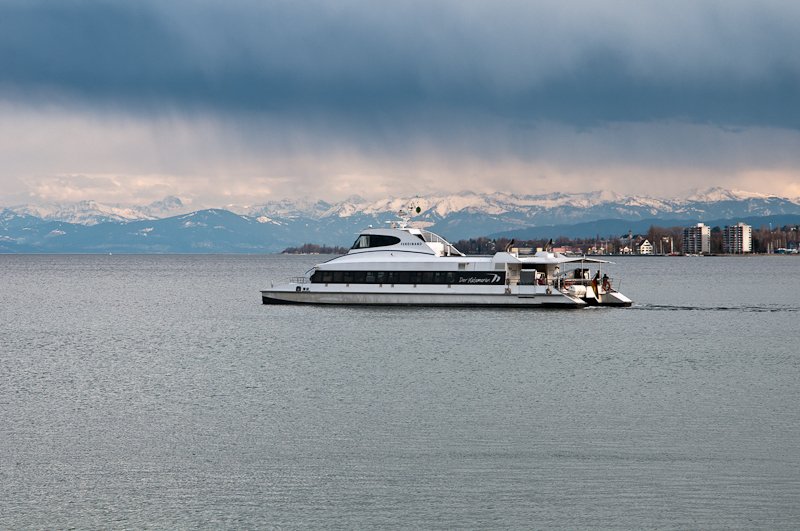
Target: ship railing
{"points": [[565, 283], [575, 281], [449, 248], [299, 280]]}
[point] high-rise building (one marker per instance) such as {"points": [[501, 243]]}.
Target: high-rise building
{"points": [[737, 239], [697, 239]]}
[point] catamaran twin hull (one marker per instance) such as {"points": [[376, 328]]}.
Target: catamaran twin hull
{"points": [[517, 297]]}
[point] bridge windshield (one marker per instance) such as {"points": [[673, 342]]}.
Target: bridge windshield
{"points": [[366, 241]]}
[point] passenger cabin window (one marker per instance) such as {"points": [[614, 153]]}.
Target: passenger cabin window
{"points": [[366, 241], [409, 277]]}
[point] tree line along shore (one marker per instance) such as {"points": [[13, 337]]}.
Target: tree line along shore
{"points": [[663, 241]]}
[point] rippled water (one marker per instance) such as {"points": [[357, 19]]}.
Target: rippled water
{"points": [[156, 391]]}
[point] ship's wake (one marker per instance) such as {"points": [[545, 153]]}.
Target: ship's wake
{"points": [[743, 308]]}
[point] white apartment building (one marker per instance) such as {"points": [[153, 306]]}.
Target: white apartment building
{"points": [[737, 239], [697, 239]]}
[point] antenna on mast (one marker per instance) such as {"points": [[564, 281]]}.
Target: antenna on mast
{"points": [[405, 215]]}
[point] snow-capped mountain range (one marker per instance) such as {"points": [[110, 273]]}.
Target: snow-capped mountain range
{"points": [[547, 208], [93, 212], [172, 226]]}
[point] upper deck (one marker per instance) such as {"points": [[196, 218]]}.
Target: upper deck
{"points": [[403, 239]]}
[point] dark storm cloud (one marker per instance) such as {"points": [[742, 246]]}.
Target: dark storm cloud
{"points": [[728, 63]]}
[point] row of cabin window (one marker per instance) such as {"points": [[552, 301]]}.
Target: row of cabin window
{"points": [[394, 277]]}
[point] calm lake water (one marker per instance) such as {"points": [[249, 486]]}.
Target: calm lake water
{"points": [[157, 391]]}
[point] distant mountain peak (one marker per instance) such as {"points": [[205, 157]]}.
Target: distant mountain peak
{"points": [[717, 193], [170, 202]]}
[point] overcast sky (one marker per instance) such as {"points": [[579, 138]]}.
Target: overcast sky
{"points": [[244, 101]]}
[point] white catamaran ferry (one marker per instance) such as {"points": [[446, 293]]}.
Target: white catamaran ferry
{"points": [[401, 265]]}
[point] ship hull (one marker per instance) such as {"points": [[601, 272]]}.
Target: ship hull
{"points": [[554, 300]]}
